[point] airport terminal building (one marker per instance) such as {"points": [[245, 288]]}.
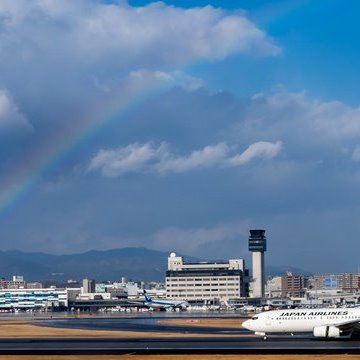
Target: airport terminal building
{"points": [[23, 299], [346, 282], [206, 280]]}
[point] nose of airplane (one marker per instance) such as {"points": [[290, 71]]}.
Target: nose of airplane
{"points": [[247, 324]]}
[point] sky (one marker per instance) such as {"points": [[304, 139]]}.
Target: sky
{"points": [[179, 126]]}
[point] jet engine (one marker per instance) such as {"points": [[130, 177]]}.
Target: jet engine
{"points": [[327, 331]]}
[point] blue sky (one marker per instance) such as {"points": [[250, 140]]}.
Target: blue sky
{"points": [[180, 128], [318, 40]]}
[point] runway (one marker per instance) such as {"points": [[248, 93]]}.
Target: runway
{"points": [[205, 340], [238, 345], [141, 324]]}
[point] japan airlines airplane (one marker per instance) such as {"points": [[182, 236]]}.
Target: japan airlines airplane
{"points": [[325, 323], [164, 304]]}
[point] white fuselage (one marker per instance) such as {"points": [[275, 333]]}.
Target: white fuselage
{"points": [[300, 320], [166, 304]]}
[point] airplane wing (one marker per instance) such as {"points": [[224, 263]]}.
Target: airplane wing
{"points": [[349, 326], [134, 302], [355, 325]]}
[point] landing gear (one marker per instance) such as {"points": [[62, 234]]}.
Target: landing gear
{"points": [[261, 333]]}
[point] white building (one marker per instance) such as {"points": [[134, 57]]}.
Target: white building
{"points": [[346, 282], [33, 298], [205, 280], [276, 287], [88, 286]]}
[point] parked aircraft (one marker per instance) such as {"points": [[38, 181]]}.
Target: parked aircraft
{"points": [[164, 304], [325, 323]]}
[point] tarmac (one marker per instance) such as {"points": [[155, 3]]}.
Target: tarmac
{"points": [[140, 324], [239, 341], [206, 345]]}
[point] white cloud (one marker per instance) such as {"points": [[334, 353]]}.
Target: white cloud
{"points": [[356, 154], [10, 116], [132, 158], [174, 78], [209, 156], [335, 119], [301, 118], [261, 149], [119, 35], [144, 157]]}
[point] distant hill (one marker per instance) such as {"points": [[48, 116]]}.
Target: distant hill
{"points": [[283, 269], [134, 263]]}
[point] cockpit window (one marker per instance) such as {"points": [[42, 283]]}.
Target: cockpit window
{"points": [[254, 318]]}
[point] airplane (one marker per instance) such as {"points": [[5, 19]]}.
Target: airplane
{"points": [[324, 323], [164, 304]]}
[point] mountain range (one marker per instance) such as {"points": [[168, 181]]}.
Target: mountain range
{"points": [[134, 263]]}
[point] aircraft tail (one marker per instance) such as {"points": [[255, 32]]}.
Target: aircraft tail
{"points": [[147, 296]]}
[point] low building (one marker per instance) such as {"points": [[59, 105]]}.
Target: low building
{"points": [[276, 287], [34, 285], [289, 286], [206, 280], [295, 285], [23, 299], [17, 282], [88, 286], [347, 282]]}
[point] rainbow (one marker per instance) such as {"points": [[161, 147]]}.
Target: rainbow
{"points": [[123, 99]]}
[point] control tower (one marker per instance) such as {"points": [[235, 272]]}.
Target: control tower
{"points": [[257, 245]]}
